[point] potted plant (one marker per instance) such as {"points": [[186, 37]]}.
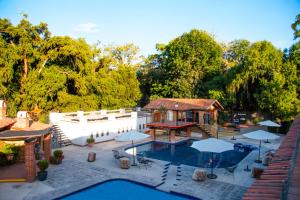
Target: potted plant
{"points": [[43, 165], [59, 155], [90, 141], [8, 151]]}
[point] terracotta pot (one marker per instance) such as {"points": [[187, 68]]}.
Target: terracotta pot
{"points": [[90, 144]]}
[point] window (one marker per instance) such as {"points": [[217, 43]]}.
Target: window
{"points": [[107, 133], [102, 134], [97, 134]]}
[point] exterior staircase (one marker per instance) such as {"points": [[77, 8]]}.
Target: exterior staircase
{"points": [[59, 139], [202, 129]]}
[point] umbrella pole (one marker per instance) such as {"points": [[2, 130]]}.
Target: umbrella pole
{"points": [[133, 164], [212, 175], [259, 161]]}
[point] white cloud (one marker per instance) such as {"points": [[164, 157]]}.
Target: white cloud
{"points": [[87, 28]]}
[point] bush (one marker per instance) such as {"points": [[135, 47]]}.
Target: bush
{"points": [[58, 153], [90, 140], [8, 149], [54, 160], [43, 165]]}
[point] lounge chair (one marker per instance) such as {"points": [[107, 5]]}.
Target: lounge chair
{"points": [[116, 155], [231, 168], [142, 162]]}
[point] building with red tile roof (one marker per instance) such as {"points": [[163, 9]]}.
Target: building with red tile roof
{"points": [[168, 112]]}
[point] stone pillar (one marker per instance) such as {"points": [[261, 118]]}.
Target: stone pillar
{"points": [[172, 135], [152, 133], [47, 147], [30, 162], [201, 120], [188, 132]]}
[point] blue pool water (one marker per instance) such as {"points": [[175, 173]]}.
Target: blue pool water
{"points": [[182, 153], [122, 190]]}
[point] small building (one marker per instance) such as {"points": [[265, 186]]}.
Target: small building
{"points": [[33, 140], [174, 115], [102, 125]]}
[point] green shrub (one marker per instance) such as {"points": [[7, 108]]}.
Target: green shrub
{"points": [[10, 149], [58, 153], [43, 164], [54, 160], [90, 140], [256, 120]]}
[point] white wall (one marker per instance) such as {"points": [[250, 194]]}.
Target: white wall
{"points": [[102, 130]]}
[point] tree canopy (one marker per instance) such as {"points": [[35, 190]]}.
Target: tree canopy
{"points": [[60, 73]]}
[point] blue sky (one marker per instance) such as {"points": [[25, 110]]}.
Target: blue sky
{"points": [[146, 23]]}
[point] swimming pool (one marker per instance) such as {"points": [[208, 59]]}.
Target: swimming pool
{"points": [[182, 153], [124, 190]]}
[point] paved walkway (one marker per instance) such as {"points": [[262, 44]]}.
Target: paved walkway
{"points": [[76, 173]]}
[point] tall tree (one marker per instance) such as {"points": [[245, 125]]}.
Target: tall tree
{"points": [[296, 27], [185, 63]]}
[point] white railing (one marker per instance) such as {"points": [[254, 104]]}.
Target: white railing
{"points": [[104, 126]]}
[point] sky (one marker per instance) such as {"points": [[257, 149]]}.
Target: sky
{"points": [[147, 22]]}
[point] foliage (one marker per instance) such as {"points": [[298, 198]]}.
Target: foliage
{"points": [[43, 165], [58, 153], [90, 140], [7, 149], [296, 27], [54, 160], [182, 66], [63, 74]]}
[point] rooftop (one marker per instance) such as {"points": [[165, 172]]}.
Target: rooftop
{"points": [[281, 179], [35, 129], [183, 104], [6, 122]]}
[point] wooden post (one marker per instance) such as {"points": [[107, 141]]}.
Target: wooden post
{"points": [[188, 132], [172, 136], [153, 134]]}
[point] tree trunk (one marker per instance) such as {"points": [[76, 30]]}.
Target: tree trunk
{"points": [[25, 67]]}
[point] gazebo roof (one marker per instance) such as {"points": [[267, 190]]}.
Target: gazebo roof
{"points": [[170, 125], [183, 104], [14, 134], [4, 123]]}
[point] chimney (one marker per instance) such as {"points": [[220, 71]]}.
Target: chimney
{"points": [[22, 120], [3, 108]]}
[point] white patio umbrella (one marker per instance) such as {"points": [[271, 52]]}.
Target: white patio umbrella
{"points": [[260, 135], [132, 136], [212, 145], [269, 123]]}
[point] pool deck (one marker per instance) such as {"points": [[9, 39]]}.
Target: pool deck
{"points": [[76, 173]]}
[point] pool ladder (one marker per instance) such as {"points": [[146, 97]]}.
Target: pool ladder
{"points": [[165, 173], [178, 175]]}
